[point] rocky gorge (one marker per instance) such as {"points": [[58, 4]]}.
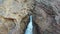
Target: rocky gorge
{"points": [[15, 16]]}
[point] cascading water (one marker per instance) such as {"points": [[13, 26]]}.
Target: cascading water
{"points": [[29, 27]]}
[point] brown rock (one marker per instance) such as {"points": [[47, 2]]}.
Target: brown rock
{"points": [[12, 13], [46, 16]]}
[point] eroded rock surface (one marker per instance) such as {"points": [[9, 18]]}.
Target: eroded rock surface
{"points": [[14, 16], [46, 16], [12, 12]]}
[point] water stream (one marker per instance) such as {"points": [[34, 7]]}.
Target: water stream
{"points": [[29, 27]]}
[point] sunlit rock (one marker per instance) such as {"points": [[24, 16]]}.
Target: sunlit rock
{"points": [[12, 13]]}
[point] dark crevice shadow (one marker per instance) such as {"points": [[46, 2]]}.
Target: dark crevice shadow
{"points": [[36, 29]]}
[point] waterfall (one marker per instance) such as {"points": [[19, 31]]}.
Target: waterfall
{"points": [[29, 27]]}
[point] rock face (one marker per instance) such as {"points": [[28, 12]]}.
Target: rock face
{"points": [[46, 16], [14, 16], [12, 13]]}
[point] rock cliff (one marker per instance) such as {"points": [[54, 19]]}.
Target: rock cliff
{"points": [[14, 16]]}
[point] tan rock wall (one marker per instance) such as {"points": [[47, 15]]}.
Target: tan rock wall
{"points": [[11, 14]]}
